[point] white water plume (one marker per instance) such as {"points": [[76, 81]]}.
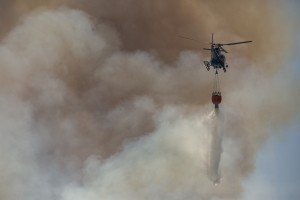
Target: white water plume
{"points": [[216, 146]]}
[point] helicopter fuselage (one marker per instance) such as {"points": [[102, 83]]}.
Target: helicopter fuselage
{"points": [[218, 60]]}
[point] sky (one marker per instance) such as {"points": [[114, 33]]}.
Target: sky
{"points": [[276, 175], [103, 100]]}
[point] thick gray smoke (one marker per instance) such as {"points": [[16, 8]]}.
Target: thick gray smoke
{"points": [[84, 116]]}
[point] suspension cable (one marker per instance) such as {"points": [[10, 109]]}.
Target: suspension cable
{"points": [[216, 83]]}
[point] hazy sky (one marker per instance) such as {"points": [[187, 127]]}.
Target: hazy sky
{"points": [[277, 168]]}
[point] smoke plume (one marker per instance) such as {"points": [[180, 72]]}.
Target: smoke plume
{"points": [[102, 100]]}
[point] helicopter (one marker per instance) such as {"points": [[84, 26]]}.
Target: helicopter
{"points": [[218, 59]]}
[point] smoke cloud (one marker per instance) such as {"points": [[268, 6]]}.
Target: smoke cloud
{"points": [[102, 100]]}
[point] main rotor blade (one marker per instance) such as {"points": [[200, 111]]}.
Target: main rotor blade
{"points": [[223, 49], [234, 43], [206, 49], [187, 38]]}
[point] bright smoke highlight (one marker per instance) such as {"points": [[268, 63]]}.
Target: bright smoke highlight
{"points": [[85, 116]]}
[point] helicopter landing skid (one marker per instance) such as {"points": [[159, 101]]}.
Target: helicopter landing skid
{"points": [[206, 63]]}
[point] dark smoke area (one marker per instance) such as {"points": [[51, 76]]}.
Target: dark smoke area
{"points": [[154, 25]]}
